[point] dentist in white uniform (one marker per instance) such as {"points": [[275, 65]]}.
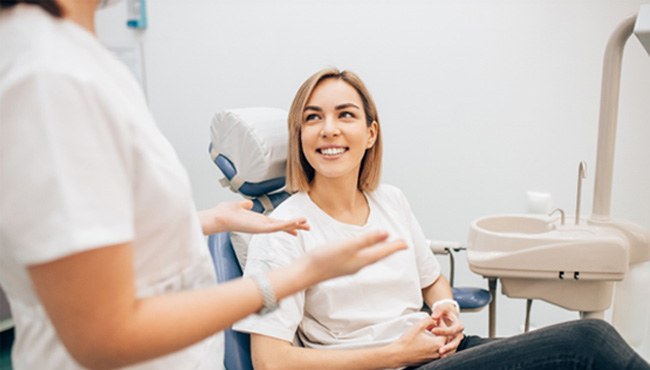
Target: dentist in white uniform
{"points": [[102, 252]]}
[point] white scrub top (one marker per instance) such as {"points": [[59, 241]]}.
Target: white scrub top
{"points": [[83, 165]]}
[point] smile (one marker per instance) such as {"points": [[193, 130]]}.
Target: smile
{"points": [[332, 151]]}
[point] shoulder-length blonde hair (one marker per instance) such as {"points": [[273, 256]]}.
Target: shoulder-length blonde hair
{"points": [[299, 172]]}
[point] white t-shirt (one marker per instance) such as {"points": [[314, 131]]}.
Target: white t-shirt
{"points": [[83, 165], [373, 307]]}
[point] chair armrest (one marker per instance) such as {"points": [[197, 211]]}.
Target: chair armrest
{"points": [[443, 246]]}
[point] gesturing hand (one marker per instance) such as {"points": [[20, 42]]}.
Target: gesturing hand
{"points": [[237, 216], [349, 256]]}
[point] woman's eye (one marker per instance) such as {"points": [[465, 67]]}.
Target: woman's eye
{"points": [[311, 117], [346, 115]]}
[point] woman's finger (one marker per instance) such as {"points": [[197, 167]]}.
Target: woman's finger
{"points": [[452, 330], [450, 347]]}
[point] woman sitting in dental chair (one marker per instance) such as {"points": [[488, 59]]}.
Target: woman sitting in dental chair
{"points": [[372, 320]]}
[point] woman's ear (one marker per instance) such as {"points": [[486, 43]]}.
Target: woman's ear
{"points": [[372, 134]]}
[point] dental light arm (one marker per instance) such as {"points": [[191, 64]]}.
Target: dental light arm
{"points": [[639, 25]]}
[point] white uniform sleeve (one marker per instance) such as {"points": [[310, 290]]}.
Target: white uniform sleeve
{"points": [[427, 264], [65, 170], [267, 252]]}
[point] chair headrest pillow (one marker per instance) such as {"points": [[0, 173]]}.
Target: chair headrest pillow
{"points": [[253, 140]]}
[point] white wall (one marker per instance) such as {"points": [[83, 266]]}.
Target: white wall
{"points": [[480, 100]]}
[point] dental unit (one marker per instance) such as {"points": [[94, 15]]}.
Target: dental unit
{"points": [[576, 265]]}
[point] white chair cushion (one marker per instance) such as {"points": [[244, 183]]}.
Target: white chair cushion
{"points": [[254, 140]]}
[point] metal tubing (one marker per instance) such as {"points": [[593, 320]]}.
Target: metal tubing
{"points": [[529, 304], [492, 321], [582, 174]]}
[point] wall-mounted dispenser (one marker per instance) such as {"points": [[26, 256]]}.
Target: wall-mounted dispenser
{"points": [[136, 14]]}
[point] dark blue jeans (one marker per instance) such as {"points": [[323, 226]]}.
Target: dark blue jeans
{"points": [[580, 344]]}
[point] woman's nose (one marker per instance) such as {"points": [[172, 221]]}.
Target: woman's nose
{"points": [[330, 127]]}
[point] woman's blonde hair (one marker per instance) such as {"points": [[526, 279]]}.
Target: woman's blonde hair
{"points": [[299, 172]]}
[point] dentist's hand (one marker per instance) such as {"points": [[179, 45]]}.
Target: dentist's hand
{"points": [[449, 326], [237, 216], [349, 256]]}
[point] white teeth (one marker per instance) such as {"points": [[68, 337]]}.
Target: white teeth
{"points": [[332, 151]]}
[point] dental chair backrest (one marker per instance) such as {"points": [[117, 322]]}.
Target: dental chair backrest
{"points": [[249, 146]]}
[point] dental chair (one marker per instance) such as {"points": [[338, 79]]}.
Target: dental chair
{"points": [[256, 140], [249, 146]]}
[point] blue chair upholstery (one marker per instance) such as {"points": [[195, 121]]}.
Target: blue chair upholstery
{"points": [[471, 299], [237, 352]]}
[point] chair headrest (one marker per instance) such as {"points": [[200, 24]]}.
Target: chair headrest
{"points": [[249, 146]]}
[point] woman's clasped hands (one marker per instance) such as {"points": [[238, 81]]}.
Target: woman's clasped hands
{"points": [[435, 337], [448, 325]]}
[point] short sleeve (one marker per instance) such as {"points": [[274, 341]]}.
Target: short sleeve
{"points": [[64, 169], [267, 252], [427, 264]]}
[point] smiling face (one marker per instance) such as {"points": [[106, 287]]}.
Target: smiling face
{"points": [[334, 132]]}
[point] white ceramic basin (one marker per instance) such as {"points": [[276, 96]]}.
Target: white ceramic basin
{"points": [[522, 224], [573, 266], [538, 246]]}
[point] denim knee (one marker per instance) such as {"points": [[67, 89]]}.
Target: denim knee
{"points": [[594, 329], [589, 334]]}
